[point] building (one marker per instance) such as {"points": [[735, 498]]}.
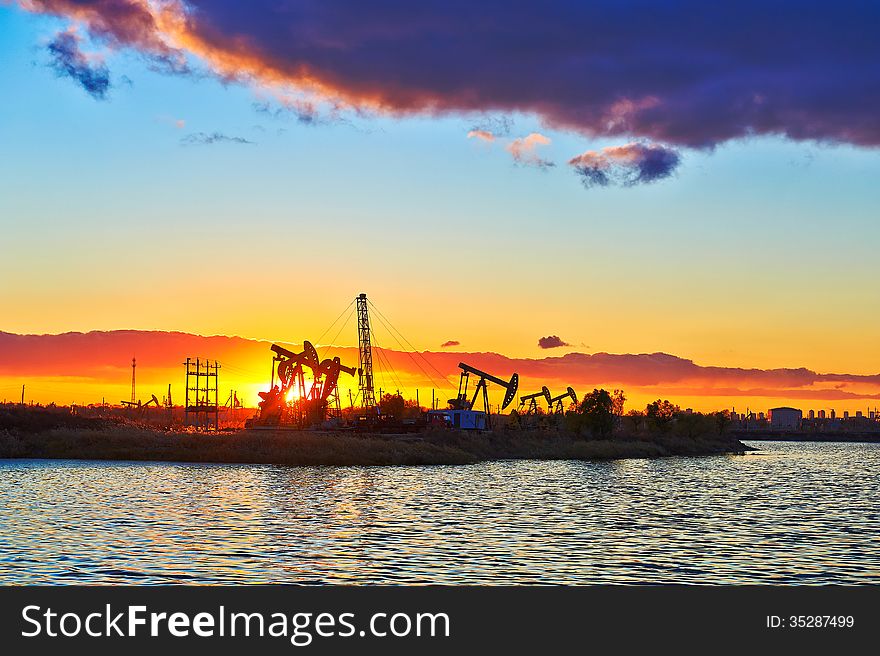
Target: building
{"points": [[786, 418], [462, 419], [821, 414], [812, 414]]}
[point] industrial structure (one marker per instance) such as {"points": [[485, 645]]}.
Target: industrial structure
{"points": [[532, 400], [463, 411], [202, 407], [365, 355], [303, 390], [307, 392], [558, 401], [786, 418], [133, 395]]}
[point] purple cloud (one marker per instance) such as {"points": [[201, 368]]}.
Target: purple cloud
{"points": [[628, 165], [688, 73], [68, 60], [451, 342], [552, 341]]}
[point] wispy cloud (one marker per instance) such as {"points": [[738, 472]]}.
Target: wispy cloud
{"points": [[204, 138], [524, 150], [500, 126], [628, 165], [482, 135], [449, 343], [69, 61]]}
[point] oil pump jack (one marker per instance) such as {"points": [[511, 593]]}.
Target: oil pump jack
{"points": [[533, 401], [309, 406], [461, 401], [325, 393], [557, 400], [290, 377], [142, 407]]}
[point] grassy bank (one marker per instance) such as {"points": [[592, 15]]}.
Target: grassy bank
{"points": [[342, 448]]}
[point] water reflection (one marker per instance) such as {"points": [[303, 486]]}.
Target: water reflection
{"points": [[795, 513]]}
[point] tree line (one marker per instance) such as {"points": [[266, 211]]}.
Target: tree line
{"points": [[601, 413]]}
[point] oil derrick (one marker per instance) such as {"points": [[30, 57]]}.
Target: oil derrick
{"points": [[365, 352], [558, 400], [461, 401], [532, 399]]}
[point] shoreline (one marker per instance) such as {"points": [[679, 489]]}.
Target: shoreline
{"points": [[312, 448], [801, 436]]}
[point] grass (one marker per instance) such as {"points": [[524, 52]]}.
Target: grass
{"points": [[127, 442]]}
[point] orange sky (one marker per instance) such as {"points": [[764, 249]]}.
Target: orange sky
{"points": [[86, 368]]}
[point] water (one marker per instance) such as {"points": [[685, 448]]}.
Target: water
{"points": [[804, 513]]}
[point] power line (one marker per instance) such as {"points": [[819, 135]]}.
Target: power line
{"points": [[428, 362], [330, 327], [338, 333], [403, 349]]}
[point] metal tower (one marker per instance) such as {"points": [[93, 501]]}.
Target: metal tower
{"points": [[133, 396], [365, 371]]}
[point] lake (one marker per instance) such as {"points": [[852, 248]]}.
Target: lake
{"points": [[791, 513]]}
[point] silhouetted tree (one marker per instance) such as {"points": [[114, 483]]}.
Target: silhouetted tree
{"points": [[393, 405], [693, 424], [660, 414], [722, 420], [617, 401], [635, 417], [595, 414]]}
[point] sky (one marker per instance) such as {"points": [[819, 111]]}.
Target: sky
{"points": [[631, 178]]}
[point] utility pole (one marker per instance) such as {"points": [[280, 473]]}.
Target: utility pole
{"points": [[22, 394]]}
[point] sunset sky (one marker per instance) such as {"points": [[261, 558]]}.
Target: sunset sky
{"points": [[633, 178]]}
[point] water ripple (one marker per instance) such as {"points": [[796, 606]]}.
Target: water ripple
{"points": [[794, 513]]}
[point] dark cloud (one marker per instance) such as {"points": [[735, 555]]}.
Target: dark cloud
{"points": [[686, 73], [552, 341], [203, 138], [451, 342], [629, 165], [68, 60]]}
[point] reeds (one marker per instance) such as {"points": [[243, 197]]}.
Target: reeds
{"points": [[441, 447]]}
